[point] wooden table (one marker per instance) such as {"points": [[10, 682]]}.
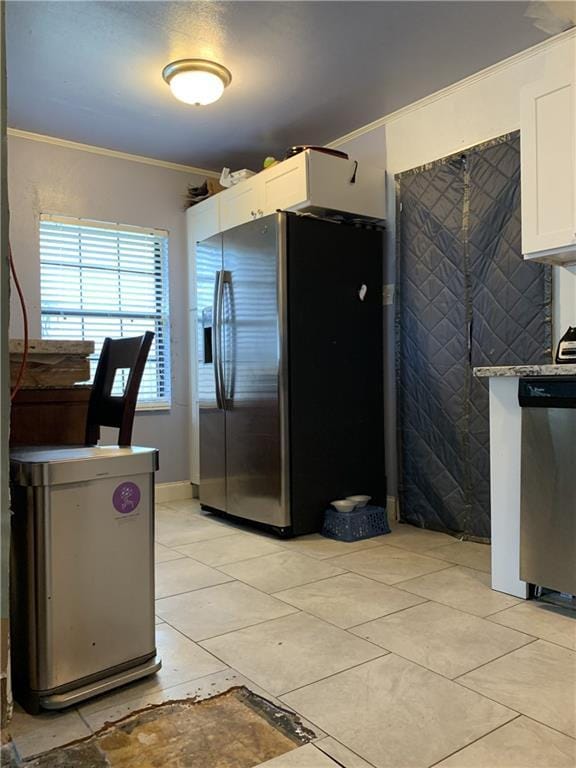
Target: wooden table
{"points": [[49, 416]]}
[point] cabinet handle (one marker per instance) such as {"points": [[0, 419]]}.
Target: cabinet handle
{"points": [[253, 214], [260, 212]]}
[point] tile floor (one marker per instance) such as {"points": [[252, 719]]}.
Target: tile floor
{"points": [[394, 650]]}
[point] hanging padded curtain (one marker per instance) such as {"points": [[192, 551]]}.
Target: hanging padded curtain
{"points": [[510, 298], [503, 310], [431, 355]]}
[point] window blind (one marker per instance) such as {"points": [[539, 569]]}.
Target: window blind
{"points": [[100, 280]]}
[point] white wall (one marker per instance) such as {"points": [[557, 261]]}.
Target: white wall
{"points": [[45, 178], [482, 109], [479, 108]]}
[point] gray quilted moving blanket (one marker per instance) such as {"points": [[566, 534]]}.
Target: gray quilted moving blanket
{"points": [[466, 298]]}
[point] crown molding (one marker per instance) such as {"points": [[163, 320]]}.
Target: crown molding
{"points": [[17, 133], [529, 53]]}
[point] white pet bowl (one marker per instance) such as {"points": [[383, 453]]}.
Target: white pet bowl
{"points": [[343, 505], [359, 501]]}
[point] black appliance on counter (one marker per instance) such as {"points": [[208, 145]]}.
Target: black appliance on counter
{"points": [[566, 352]]}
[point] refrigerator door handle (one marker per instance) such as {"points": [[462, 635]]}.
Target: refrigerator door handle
{"points": [[217, 340], [226, 278]]}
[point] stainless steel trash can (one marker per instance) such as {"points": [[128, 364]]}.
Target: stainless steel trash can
{"points": [[82, 578]]}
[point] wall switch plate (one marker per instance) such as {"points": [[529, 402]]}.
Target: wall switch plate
{"points": [[388, 294]]}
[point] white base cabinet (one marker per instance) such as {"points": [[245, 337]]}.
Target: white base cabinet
{"points": [[548, 154]]}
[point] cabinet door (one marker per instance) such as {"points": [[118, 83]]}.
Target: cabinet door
{"points": [[202, 221], [284, 186], [345, 185], [240, 203], [548, 135], [210, 415]]}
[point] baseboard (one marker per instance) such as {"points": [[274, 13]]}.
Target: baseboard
{"points": [[174, 491], [186, 490]]}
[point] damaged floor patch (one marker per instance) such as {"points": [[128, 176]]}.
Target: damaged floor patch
{"points": [[236, 729]]}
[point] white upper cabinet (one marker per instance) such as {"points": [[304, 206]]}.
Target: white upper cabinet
{"points": [[317, 182], [202, 221], [548, 151], [238, 204], [284, 186], [310, 181], [345, 185]]}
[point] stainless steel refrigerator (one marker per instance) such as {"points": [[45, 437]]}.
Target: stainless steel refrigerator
{"points": [[290, 383]]}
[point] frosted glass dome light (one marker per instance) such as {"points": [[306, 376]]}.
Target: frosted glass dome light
{"points": [[196, 81]]}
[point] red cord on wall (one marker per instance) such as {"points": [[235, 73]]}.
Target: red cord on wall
{"points": [[25, 322]]}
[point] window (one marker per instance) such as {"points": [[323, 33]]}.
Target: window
{"points": [[101, 280]]}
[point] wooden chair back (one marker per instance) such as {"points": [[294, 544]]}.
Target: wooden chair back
{"points": [[106, 409]]}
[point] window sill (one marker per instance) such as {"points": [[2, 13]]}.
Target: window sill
{"points": [[150, 407]]}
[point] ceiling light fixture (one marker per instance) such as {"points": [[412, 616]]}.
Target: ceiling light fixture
{"points": [[196, 81]]}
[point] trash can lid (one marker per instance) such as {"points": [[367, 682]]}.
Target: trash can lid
{"points": [[57, 466]]}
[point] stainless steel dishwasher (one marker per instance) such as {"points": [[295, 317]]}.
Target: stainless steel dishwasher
{"points": [[548, 483], [82, 576]]}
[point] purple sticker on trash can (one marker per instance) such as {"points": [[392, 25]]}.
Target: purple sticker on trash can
{"points": [[126, 497]]}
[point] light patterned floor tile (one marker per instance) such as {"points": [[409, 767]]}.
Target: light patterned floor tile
{"points": [[229, 549], [307, 756], [33, 734], [282, 570], [184, 505], [184, 575], [523, 743], [344, 756], [462, 588], [538, 680], [322, 548], [290, 652], [542, 620], [395, 714], [216, 610], [176, 529], [348, 599], [442, 639], [467, 553], [416, 539], [199, 689], [535, 679], [389, 564], [163, 554], [182, 660]]}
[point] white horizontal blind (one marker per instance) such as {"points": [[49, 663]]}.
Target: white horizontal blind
{"points": [[100, 280]]}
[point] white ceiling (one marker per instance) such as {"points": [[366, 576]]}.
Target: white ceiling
{"points": [[303, 72]]}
